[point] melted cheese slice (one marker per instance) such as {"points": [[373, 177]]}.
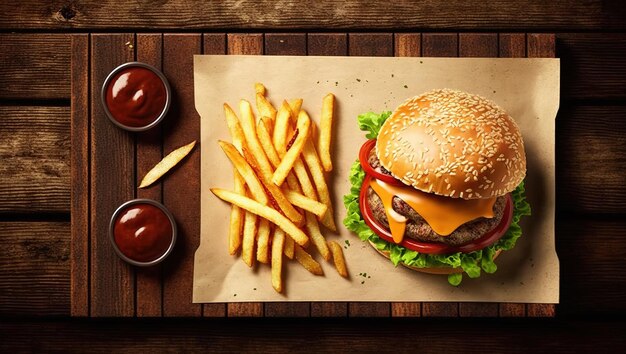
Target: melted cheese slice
{"points": [[443, 214]]}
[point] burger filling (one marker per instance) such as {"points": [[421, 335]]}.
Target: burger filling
{"points": [[418, 229]]}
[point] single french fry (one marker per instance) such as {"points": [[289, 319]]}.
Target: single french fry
{"points": [[272, 155], [278, 241], [306, 203], [277, 195], [166, 164], [303, 177], [254, 185], [286, 164], [281, 129], [317, 173], [295, 105], [236, 217], [308, 262], [338, 259], [260, 88], [263, 239], [252, 141], [265, 109], [234, 126], [326, 123], [265, 212], [249, 232], [316, 236], [289, 248]]}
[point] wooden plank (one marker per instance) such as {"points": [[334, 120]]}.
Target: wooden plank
{"points": [[592, 65], [369, 309], [370, 44], [582, 132], [478, 45], [512, 310], [512, 45], [149, 152], [34, 150], [79, 157], [349, 14], [540, 46], [478, 309], [34, 66], [407, 45], [244, 44], [214, 43], [34, 269], [287, 309], [181, 190], [327, 44], [406, 309], [112, 177], [440, 45]]}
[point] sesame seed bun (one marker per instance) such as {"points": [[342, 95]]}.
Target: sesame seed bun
{"points": [[454, 144]]}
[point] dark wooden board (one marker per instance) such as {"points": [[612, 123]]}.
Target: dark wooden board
{"points": [[346, 15], [110, 156]]}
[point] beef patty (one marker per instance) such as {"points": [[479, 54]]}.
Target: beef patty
{"points": [[418, 229]]}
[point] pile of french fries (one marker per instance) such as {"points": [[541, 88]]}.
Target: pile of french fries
{"points": [[280, 192]]}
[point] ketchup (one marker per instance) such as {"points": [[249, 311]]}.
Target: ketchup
{"points": [[143, 232], [136, 96]]}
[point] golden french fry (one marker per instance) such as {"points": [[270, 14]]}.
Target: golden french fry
{"points": [[316, 236], [303, 177], [289, 248], [281, 129], [306, 203], [234, 126], [308, 262], [338, 259], [277, 195], [265, 109], [252, 141], [285, 166], [295, 105], [265, 212], [278, 241], [326, 123], [272, 155], [315, 167], [166, 164], [236, 217], [249, 232], [260, 88], [263, 239], [254, 185]]}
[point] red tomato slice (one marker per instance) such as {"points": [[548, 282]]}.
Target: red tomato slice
{"points": [[433, 247], [364, 155]]}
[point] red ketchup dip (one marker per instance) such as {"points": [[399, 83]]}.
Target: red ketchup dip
{"points": [[143, 232], [136, 96]]}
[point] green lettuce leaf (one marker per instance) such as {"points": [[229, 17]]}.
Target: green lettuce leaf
{"points": [[472, 263]]}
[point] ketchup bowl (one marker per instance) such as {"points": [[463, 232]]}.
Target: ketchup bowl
{"points": [[142, 232], [136, 96]]}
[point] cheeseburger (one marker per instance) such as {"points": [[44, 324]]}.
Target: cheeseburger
{"points": [[439, 187]]}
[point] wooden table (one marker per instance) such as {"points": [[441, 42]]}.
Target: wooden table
{"points": [[49, 165]]}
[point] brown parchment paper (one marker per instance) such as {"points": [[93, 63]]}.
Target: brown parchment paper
{"points": [[526, 88]]}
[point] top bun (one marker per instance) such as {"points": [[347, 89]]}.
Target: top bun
{"points": [[454, 144]]}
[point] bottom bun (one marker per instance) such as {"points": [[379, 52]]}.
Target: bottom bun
{"points": [[429, 270]]}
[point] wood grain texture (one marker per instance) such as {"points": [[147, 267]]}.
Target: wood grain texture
{"points": [[407, 44], [512, 45], [478, 309], [34, 155], [369, 309], [79, 190], [592, 65], [370, 44], [112, 177], [34, 66], [327, 43], [285, 44], [351, 14], [512, 310], [34, 269], [440, 44], [244, 309], [329, 309], [287, 309], [181, 189], [478, 45], [406, 309], [148, 49]]}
